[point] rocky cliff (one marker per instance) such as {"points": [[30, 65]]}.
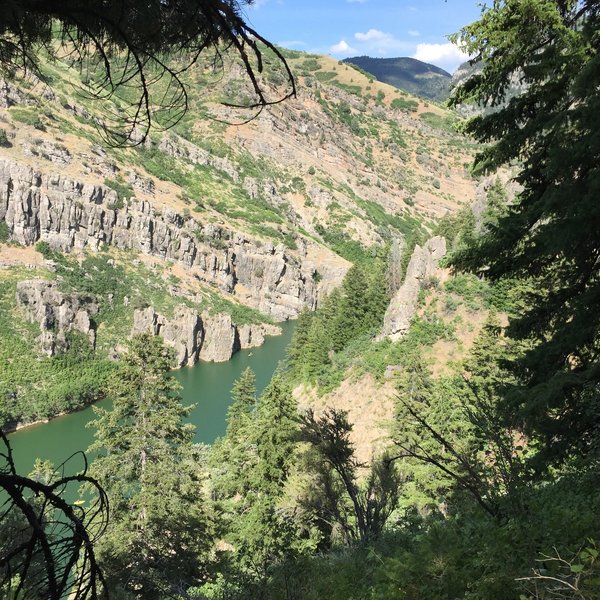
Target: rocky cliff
{"points": [[423, 265], [207, 337], [68, 214], [56, 313]]}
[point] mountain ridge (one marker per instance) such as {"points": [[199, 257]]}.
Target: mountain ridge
{"points": [[408, 74]]}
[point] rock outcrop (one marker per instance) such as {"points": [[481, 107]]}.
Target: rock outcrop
{"points": [[423, 264], [184, 331], [252, 336], [70, 214], [56, 313], [221, 339], [200, 337]]}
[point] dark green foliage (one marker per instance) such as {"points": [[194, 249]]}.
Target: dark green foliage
{"points": [[353, 312], [550, 237], [243, 395], [336, 497], [341, 243], [457, 228], [4, 232], [34, 387], [445, 123], [251, 468], [403, 104], [149, 467], [44, 249]]}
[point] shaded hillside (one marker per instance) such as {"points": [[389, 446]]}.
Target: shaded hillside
{"points": [[407, 74]]}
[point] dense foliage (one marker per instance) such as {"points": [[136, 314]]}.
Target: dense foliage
{"points": [[549, 238], [148, 466]]}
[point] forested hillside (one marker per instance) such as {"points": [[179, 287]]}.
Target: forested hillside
{"points": [[407, 74], [432, 432]]}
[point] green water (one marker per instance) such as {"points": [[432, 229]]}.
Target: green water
{"points": [[207, 385]]}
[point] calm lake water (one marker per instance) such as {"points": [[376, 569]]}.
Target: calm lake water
{"points": [[207, 385]]}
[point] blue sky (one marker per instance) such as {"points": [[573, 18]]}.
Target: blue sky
{"points": [[383, 28]]}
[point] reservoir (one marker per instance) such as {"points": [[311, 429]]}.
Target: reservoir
{"points": [[206, 385]]}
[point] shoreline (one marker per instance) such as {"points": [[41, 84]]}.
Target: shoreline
{"points": [[21, 425]]}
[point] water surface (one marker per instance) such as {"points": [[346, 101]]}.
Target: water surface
{"points": [[207, 385]]}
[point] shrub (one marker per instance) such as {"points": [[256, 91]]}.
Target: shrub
{"points": [[4, 232], [407, 105], [44, 249]]}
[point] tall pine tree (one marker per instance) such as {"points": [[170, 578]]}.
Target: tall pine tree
{"points": [[149, 467]]}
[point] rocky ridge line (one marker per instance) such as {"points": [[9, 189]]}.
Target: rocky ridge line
{"points": [[69, 214]]}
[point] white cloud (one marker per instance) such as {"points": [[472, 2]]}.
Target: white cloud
{"points": [[375, 42], [356, 1], [372, 34], [448, 56], [342, 47], [414, 33]]}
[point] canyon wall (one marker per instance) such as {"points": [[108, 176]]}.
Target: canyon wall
{"points": [[69, 214]]}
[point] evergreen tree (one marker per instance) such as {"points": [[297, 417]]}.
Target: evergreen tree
{"points": [[297, 346], [243, 395], [148, 465], [338, 497], [351, 319], [230, 454], [316, 353], [257, 525], [378, 296], [550, 238]]}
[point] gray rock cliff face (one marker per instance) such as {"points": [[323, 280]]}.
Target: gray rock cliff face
{"points": [[56, 313], [221, 340], [70, 214], [200, 337], [252, 336], [423, 264], [184, 332]]}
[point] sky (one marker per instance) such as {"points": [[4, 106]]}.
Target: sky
{"points": [[378, 28]]}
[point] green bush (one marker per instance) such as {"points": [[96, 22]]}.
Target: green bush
{"points": [[123, 189], [406, 105], [28, 117], [4, 232], [44, 249]]}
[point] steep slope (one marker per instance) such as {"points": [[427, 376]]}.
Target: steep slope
{"points": [[209, 231], [407, 74]]}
